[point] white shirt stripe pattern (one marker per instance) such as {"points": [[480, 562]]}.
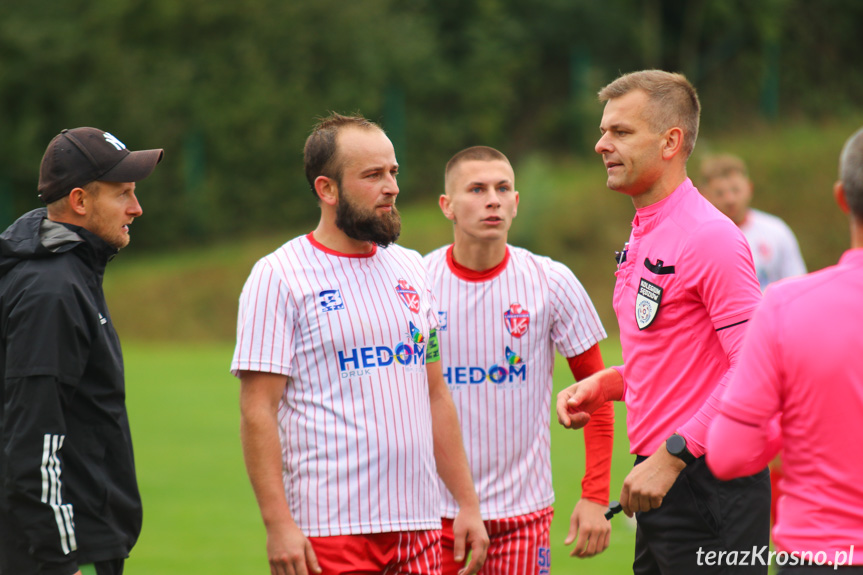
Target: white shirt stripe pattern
{"points": [[497, 339], [355, 422], [52, 492], [775, 251]]}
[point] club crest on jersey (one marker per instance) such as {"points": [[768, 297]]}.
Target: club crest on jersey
{"points": [[517, 320], [408, 295], [647, 303], [331, 300], [441, 319]]}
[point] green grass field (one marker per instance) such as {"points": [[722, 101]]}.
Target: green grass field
{"points": [[200, 515]]}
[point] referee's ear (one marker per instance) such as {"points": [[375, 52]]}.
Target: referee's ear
{"points": [[673, 143]]}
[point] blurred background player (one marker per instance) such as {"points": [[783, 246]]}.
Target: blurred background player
{"points": [[344, 411], [503, 313], [684, 293], [801, 358], [775, 252], [725, 182]]}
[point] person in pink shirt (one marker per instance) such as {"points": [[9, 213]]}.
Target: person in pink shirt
{"points": [[685, 290], [775, 251], [800, 366]]}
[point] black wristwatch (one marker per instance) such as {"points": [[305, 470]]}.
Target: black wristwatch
{"points": [[676, 446]]}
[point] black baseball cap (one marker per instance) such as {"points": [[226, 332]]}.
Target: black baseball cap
{"points": [[76, 157]]}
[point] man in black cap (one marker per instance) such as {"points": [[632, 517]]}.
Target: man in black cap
{"points": [[69, 501]]}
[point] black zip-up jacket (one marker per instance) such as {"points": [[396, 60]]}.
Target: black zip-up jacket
{"points": [[68, 493]]}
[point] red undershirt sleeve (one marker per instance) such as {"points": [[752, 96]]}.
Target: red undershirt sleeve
{"points": [[598, 433]]}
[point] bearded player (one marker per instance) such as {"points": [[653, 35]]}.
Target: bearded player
{"points": [[503, 312], [344, 412]]}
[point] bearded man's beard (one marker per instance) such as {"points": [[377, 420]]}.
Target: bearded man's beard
{"points": [[367, 226]]}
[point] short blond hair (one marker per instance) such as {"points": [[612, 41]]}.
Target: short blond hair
{"points": [[474, 153], [60, 206], [674, 101], [722, 166]]}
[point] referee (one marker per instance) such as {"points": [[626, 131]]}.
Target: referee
{"points": [[817, 385], [685, 290]]}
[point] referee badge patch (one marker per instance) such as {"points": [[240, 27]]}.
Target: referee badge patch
{"points": [[647, 303]]}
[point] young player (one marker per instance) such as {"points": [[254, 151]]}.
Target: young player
{"points": [[344, 411], [725, 182], [801, 359], [685, 290], [503, 312]]}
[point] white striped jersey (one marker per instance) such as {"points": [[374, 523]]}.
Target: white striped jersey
{"points": [[498, 332], [355, 421], [775, 251]]}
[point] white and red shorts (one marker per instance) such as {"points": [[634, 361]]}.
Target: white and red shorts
{"points": [[399, 553], [518, 545]]}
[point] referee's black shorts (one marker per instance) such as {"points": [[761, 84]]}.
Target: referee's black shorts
{"points": [[702, 516]]}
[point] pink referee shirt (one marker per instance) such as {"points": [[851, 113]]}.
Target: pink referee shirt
{"points": [[350, 331], [803, 357], [682, 298]]}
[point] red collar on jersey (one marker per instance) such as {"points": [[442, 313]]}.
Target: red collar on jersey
{"points": [[470, 275], [310, 236]]}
